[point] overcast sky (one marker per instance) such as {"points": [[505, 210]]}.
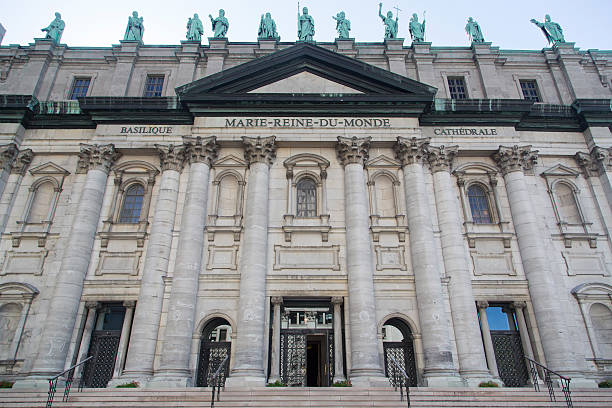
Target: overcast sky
{"points": [[504, 23]]}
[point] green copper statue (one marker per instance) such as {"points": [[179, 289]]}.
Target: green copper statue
{"points": [[306, 27], [195, 29], [55, 29], [267, 28], [390, 24], [417, 30], [473, 30], [552, 30], [219, 24], [135, 28], [343, 25]]}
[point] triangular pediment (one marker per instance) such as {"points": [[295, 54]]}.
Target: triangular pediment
{"points": [[383, 161], [48, 168], [559, 170], [302, 61], [306, 83], [230, 161]]}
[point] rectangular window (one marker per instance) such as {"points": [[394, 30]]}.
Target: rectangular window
{"points": [[79, 88], [456, 87], [530, 90], [153, 86]]}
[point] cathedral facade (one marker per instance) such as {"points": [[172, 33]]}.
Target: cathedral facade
{"points": [[305, 214]]}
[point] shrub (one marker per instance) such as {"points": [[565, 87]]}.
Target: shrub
{"points": [[605, 384], [6, 384], [132, 384], [276, 383], [346, 383], [488, 384]]}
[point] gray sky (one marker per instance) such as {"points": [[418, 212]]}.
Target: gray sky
{"points": [[504, 23]]}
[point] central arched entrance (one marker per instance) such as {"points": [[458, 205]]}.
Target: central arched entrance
{"points": [[398, 346], [214, 347]]}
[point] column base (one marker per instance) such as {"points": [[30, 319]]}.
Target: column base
{"points": [[141, 381], [443, 380], [364, 381], [581, 382], [36, 382], [169, 381], [338, 378], [245, 381], [476, 381]]}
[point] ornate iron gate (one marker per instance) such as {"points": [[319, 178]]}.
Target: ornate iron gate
{"points": [[103, 347], [403, 353], [212, 353], [293, 356], [509, 358]]}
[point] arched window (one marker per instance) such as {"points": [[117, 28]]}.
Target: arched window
{"points": [[601, 317], [43, 197], [568, 210], [9, 320], [132, 204], [306, 198], [479, 205]]}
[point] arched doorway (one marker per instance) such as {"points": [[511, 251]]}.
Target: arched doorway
{"points": [[214, 347], [398, 346]]}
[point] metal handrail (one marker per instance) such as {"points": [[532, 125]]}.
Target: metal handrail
{"points": [[53, 383], [215, 382], [565, 381], [399, 370]]}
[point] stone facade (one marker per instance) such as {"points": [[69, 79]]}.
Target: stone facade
{"points": [[341, 195]]}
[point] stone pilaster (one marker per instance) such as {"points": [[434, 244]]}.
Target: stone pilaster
{"points": [[83, 348], [439, 368], [8, 154], [519, 308], [125, 335], [248, 359], [277, 302], [176, 347], [9, 189], [472, 361], [189, 55], [143, 341], [63, 306], [337, 302], [486, 336], [365, 360], [553, 330]]}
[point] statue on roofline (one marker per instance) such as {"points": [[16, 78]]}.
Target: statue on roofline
{"points": [[306, 27], [267, 28], [417, 30], [219, 24], [55, 29], [552, 30], [343, 25], [473, 30], [195, 29], [390, 24], [134, 29]]}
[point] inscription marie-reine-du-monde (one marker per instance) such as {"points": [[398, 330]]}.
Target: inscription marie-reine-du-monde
{"points": [[307, 122]]}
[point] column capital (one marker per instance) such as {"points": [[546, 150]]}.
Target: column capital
{"points": [[130, 304], [598, 161], [519, 304], [515, 158], [97, 157], [92, 305], [441, 157], [277, 300], [201, 149], [353, 149], [337, 300], [23, 160], [259, 149], [171, 157], [8, 153], [410, 150], [482, 304]]}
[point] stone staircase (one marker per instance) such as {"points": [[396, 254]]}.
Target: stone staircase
{"points": [[306, 397]]}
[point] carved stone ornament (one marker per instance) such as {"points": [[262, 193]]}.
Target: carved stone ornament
{"points": [[596, 162], [277, 300], [24, 158], [259, 149], [353, 149], [201, 150], [337, 300], [7, 155], [441, 157], [410, 150], [171, 157], [97, 157], [515, 158]]}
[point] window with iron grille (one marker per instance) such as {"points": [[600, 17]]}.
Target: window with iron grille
{"points": [[79, 88], [306, 198], [153, 86], [530, 90], [132, 204], [479, 205], [456, 87]]}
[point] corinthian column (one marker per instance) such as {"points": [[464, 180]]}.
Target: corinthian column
{"points": [[472, 360], [141, 351], [176, 347], [249, 364], [439, 369], [549, 314], [366, 369], [96, 160]]}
